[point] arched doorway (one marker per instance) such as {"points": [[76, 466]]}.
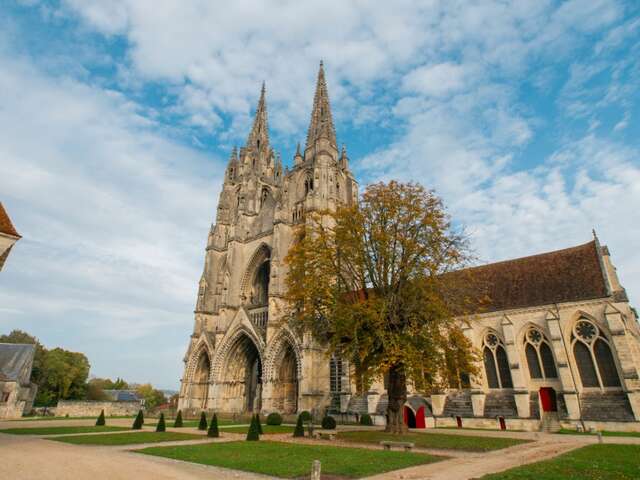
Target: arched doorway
{"points": [[260, 287], [286, 381], [409, 417], [242, 377], [200, 382]]}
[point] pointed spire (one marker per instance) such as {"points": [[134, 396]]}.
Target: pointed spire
{"points": [[259, 135], [321, 125], [344, 160], [297, 158]]}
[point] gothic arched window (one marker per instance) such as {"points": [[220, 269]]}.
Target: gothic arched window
{"points": [[539, 355], [593, 356], [496, 364]]}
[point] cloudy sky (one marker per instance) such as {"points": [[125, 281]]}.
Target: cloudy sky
{"points": [[117, 116]]}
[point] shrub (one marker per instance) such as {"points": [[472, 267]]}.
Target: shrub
{"points": [[259, 424], [253, 433], [365, 419], [213, 427], [274, 419], [100, 421], [306, 416], [161, 427], [299, 430], [139, 421], [203, 422], [178, 421], [328, 423]]}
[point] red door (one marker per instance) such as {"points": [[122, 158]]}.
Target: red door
{"points": [[548, 399], [420, 418], [409, 417], [503, 424]]}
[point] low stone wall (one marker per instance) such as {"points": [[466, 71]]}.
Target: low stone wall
{"points": [[77, 408]]}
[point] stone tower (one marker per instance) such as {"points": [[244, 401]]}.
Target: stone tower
{"points": [[242, 356]]}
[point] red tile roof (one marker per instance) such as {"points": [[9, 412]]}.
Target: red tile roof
{"points": [[6, 226], [567, 275]]}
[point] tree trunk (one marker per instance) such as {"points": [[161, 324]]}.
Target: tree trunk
{"points": [[397, 393]]}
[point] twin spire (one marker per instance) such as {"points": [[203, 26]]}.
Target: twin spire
{"points": [[321, 125]]}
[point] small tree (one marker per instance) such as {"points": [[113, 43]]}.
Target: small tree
{"points": [[259, 424], [100, 422], [213, 427], [161, 427], [139, 421], [329, 423], [306, 416], [178, 422], [203, 422], [274, 419], [299, 430], [254, 433]]}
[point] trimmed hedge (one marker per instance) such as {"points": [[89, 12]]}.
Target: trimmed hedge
{"points": [[305, 415], [299, 430], [365, 419], [253, 434], [203, 422], [161, 427], [259, 424], [213, 427], [178, 422], [100, 422], [329, 423], [274, 419], [139, 421]]}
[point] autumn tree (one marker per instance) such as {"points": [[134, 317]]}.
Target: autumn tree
{"points": [[370, 281]]}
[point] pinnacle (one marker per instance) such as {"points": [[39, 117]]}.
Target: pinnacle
{"points": [[259, 135], [321, 125]]}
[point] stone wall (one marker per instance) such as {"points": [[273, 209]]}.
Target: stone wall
{"points": [[77, 408]]}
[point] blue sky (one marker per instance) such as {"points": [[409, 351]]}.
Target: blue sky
{"points": [[117, 117]]}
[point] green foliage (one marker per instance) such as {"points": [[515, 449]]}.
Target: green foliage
{"points": [[161, 426], [213, 427], [152, 397], [97, 386], [254, 433], [100, 421], [274, 419], [127, 438], [139, 421], [259, 424], [328, 423], [365, 419], [306, 416], [61, 430], [203, 422], [178, 421], [299, 431]]}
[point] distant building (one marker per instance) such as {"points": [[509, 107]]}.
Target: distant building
{"points": [[8, 235], [122, 395], [17, 392]]}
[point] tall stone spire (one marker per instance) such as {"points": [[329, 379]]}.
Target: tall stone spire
{"points": [[259, 136], [321, 125]]}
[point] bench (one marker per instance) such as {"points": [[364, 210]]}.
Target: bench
{"points": [[406, 445], [330, 434]]}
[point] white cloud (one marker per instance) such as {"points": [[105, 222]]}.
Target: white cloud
{"points": [[436, 80]]}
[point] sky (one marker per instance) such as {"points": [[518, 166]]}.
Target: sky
{"points": [[117, 118]]}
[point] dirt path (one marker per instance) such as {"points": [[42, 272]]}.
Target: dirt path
{"points": [[30, 458]]}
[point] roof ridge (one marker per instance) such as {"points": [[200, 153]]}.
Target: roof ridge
{"points": [[6, 226]]}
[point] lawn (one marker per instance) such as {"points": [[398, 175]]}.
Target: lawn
{"points": [[435, 440], [61, 430], [189, 423], [40, 419], [594, 462], [604, 433], [289, 460], [128, 438], [266, 429]]}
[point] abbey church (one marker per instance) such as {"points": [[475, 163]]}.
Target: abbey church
{"points": [[559, 342]]}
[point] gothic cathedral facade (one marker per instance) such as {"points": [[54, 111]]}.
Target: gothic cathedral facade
{"points": [[558, 339]]}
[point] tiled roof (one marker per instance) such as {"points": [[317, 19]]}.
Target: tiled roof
{"points": [[6, 226], [568, 275], [16, 362]]}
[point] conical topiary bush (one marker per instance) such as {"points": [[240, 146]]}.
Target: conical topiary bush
{"points": [[161, 427], [139, 421], [253, 433], [178, 421], [100, 422], [203, 422], [213, 427], [299, 430], [259, 424]]}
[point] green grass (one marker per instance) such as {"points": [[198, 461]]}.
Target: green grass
{"points": [[594, 462], [289, 460], [604, 433], [188, 423], [62, 430], [267, 429], [435, 440], [128, 438], [48, 418]]}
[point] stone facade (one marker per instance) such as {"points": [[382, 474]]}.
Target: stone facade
{"points": [[82, 408], [559, 340], [17, 393]]}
